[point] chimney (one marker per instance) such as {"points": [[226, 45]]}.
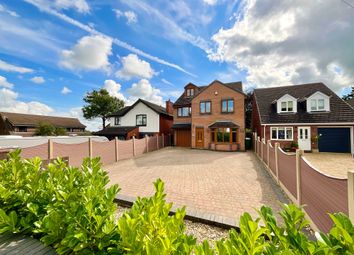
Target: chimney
{"points": [[169, 107]]}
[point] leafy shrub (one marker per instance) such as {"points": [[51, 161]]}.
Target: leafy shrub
{"points": [[72, 210], [66, 207], [149, 229]]}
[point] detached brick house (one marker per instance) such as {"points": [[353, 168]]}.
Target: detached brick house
{"points": [[210, 117], [140, 119], [26, 124], [311, 115]]}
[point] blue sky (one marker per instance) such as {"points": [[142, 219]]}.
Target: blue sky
{"points": [[53, 52]]}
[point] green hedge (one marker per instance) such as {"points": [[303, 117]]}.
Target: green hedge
{"points": [[72, 210]]}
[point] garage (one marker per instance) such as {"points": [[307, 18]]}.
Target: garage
{"points": [[183, 137], [334, 140]]}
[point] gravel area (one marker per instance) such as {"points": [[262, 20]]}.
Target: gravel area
{"points": [[199, 230]]}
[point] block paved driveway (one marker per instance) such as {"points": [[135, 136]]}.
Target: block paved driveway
{"points": [[224, 184]]}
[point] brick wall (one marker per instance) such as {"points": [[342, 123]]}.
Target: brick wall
{"points": [[204, 120]]}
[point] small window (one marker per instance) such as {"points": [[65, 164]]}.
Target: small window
{"points": [[205, 107], [117, 121], [317, 104], [190, 92], [227, 105], [282, 133], [22, 129], [287, 106], [184, 111], [141, 120]]}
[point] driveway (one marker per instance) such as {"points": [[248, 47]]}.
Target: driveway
{"points": [[334, 164], [224, 184]]}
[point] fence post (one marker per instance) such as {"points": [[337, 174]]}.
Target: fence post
{"points": [[50, 149], [298, 176], [116, 148], [254, 142], [147, 143], [90, 147], [157, 141], [268, 145], [163, 140], [262, 149], [133, 146], [351, 195], [276, 161]]}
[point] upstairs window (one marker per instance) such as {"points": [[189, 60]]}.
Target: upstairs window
{"points": [[317, 104], [227, 105], [141, 120], [205, 107], [287, 106], [117, 121], [190, 92], [184, 112]]}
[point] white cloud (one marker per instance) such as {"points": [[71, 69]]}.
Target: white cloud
{"points": [[37, 79], [12, 68], [9, 103], [131, 16], [78, 5], [113, 89], [116, 41], [210, 2], [133, 67], [12, 13], [66, 90], [89, 53], [91, 125], [4, 83], [143, 89], [166, 82], [281, 43]]}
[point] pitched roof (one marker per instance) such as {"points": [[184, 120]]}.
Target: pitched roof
{"points": [[31, 120], [156, 108], [266, 98], [183, 100], [115, 130]]}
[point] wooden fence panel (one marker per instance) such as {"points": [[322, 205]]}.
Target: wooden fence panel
{"points": [[152, 143], [105, 150], [140, 146], [287, 171], [321, 195], [35, 151], [76, 152], [125, 149]]}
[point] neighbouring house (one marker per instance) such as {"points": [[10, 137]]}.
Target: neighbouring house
{"points": [[26, 124], [310, 116], [350, 102], [210, 117], [140, 119]]}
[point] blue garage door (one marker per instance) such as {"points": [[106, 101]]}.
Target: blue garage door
{"points": [[334, 139]]}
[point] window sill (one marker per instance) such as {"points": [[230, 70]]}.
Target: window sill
{"points": [[206, 113], [282, 140], [227, 112]]}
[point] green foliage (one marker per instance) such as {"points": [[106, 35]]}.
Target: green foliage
{"points": [[100, 104], [149, 229], [72, 210], [68, 208], [45, 129]]}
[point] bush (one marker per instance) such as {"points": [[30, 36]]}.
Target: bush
{"points": [[72, 210], [45, 129]]}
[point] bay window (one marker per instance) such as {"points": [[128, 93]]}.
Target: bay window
{"points": [[224, 135]]}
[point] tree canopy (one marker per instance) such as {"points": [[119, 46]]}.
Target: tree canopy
{"points": [[100, 104], [46, 129], [349, 95]]}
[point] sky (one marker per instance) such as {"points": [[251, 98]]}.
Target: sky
{"points": [[52, 52]]}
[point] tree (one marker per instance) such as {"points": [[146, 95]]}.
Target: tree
{"points": [[248, 109], [349, 95], [46, 129], [100, 105]]}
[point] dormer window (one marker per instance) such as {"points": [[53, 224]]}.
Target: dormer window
{"points": [[287, 104], [318, 102], [190, 92]]}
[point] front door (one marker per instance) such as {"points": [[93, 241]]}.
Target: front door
{"points": [[304, 138], [199, 137]]}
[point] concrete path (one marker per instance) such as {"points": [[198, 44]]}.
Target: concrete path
{"points": [[225, 184]]}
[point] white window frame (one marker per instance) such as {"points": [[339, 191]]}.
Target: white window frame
{"points": [[287, 99], [117, 121], [287, 106], [316, 97], [317, 109], [277, 132]]}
